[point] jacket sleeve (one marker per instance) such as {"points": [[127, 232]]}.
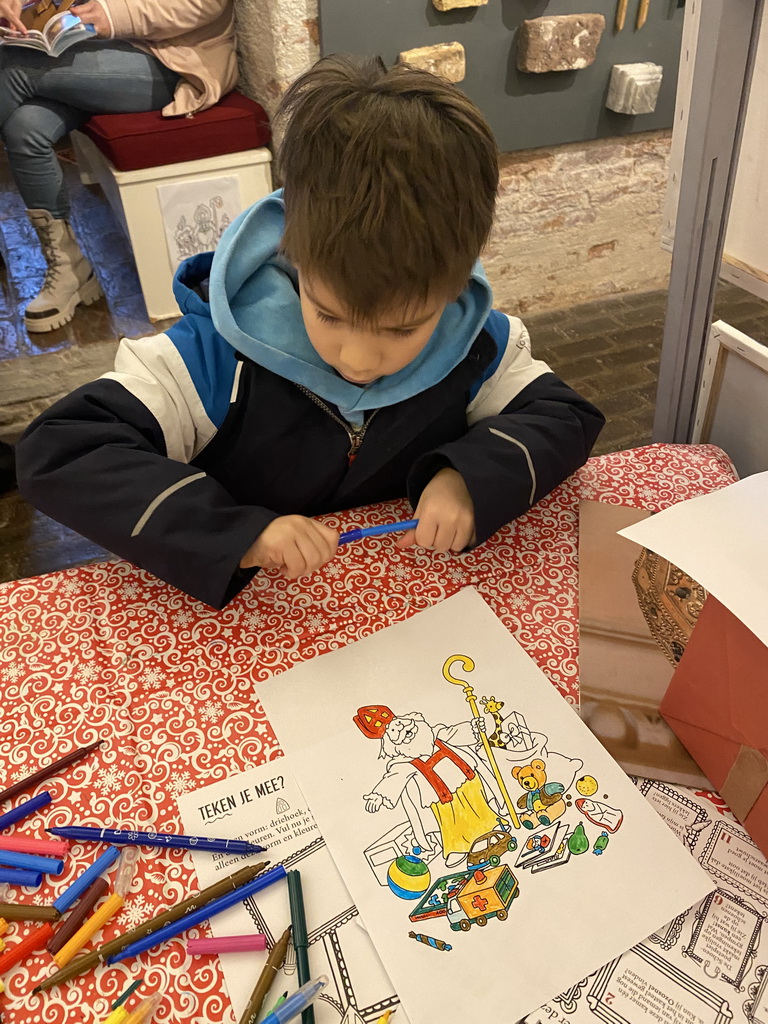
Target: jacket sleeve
{"points": [[156, 20], [111, 462], [528, 431]]}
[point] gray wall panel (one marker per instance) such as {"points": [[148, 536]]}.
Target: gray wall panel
{"points": [[525, 110]]}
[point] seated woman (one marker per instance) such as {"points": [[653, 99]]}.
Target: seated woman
{"points": [[177, 56]]}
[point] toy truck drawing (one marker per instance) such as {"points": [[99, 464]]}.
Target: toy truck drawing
{"points": [[486, 893]]}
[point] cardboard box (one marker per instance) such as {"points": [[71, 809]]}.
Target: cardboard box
{"points": [[717, 704]]}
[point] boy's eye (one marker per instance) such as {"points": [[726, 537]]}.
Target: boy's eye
{"points": [[403, 332], [325, 318]]}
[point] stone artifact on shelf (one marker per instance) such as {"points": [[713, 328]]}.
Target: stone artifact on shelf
{"points": [[634, 88], [447, 60], [560, 42], [450, 5]]}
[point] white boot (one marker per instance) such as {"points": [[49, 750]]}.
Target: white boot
{"points": [[69, 279]]}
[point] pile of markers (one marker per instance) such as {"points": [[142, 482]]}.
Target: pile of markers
{"points": [[73, 918]]}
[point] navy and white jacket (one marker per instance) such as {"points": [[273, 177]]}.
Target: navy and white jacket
{"points": [[179, 458]]}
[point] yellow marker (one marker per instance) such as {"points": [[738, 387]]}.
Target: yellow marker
{"points": [[385, 1017], [97, 921], [118, 1016], [2, 945], [2, 988], [3, 926]]}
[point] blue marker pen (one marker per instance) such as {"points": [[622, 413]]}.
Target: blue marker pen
{"points": [[377, 531]]}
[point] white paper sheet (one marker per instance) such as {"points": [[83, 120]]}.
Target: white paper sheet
{"points": [[515, 935], [720, 540], [196, 213], [708, 966], [265, 806]]}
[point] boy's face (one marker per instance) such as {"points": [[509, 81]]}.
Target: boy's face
{"points": [[361, 353]]}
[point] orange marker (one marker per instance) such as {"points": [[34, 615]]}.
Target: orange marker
{"points": [[31, 943], [107, 910], [3, 926]]}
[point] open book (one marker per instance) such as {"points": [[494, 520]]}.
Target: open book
{"points": [[61, 32]]}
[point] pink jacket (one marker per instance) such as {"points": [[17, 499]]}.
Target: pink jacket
{"points": [[195, 38]]}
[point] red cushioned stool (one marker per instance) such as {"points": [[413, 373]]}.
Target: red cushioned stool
{"points": [[175, 183]]}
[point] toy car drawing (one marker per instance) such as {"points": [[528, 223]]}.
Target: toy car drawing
{"points": [[488, 848]]}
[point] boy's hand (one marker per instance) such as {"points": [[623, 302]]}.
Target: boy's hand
{"points": [[446, 515], [295, 545]]}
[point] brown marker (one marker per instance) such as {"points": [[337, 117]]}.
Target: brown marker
{"points": [[27, 912], [46, 773], [275, 961], [75, 918], [85, 963]]}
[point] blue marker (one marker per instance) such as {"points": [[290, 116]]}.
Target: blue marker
{"points": [[194, 917], [29, 862], [13, 876], [24, 809], [78, 887], [297, 1003], [377, 531]]}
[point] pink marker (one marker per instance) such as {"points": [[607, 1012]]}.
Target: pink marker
{"points": [[227, 944], [26, 844]]}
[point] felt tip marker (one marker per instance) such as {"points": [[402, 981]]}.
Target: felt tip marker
{"points": [[297, 1003], [377, 531]]}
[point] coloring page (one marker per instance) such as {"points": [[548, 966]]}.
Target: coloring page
{"points": [[708, 965], [264, 806], [442, 768]]}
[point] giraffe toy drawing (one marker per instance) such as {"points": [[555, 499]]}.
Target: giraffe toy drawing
{"points": [[493, 708]]}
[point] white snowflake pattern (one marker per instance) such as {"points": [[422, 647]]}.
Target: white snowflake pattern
{"points": [[315, 621], [212, 711], [457, 575], [401, 572], [129, 590], [254, 620], [12, 672], [518, 601], [153, 677], [183, 618], [180, 783], [528, 530], [87, 672], [333, 570], [134, 912], [109, 779], [70, 587]]}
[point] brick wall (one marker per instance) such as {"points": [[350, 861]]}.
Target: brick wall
{"points": [[574, 223]]}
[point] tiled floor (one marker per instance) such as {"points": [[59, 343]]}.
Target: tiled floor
{"points": [[608, 350]]}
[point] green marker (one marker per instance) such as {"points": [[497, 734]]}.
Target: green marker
{"points": [[279, 1002]]}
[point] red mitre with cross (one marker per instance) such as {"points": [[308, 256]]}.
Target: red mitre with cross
{"points": [[373, 721]]}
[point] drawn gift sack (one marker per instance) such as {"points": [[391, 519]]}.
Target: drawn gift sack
{"points": [[718, 706]]}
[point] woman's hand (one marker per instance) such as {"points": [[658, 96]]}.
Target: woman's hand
{"points": [[10, 11], [92, 13]]}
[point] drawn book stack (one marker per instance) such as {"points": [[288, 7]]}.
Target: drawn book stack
{"points": [[61, 32], [494, 854]]}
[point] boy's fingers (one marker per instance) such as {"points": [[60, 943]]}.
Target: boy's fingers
{"points": [[407, 540], [294, 564]]}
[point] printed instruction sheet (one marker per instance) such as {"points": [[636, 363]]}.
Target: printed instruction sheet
{"points": [[708, 965], [265, 806]]}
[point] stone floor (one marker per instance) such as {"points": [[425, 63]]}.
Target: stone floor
{"points": [[607, 350]]}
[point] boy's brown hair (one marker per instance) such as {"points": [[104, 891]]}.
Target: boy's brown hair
{"points": [[390, 183]]}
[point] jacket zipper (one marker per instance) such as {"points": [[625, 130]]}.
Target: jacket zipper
{"points": [[355, 435]]}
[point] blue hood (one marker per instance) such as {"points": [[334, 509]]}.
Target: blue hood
{"points": [[256, 308]]}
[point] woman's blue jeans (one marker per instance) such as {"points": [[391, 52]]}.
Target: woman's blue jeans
{"points": [[42, 99]]}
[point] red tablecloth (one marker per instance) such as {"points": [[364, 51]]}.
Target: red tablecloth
{"points": [[109, 652]]}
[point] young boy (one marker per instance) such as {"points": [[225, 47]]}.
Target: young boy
{"points": [[339, 348]]}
